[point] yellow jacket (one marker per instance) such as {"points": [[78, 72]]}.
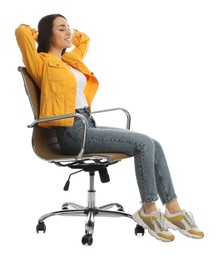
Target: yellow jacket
{"points": [[53, 76]]}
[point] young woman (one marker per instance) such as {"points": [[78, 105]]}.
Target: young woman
{"points": [[68, 86]]}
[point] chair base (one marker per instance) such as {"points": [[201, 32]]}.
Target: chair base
{"points": [[90, 212]]}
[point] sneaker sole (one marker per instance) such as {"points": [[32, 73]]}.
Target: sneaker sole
{"points": [[184, 232], [143, 224]]}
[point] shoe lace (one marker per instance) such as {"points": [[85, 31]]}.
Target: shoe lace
{"points": [[160, 219], [190, 218]]}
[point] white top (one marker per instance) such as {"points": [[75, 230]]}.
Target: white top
{"points": [[81, 81]]}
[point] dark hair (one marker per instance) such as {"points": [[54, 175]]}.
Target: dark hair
{"points": [[45, 32]]}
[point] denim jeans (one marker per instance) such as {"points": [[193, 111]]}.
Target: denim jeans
{"points": [[152, 173]]}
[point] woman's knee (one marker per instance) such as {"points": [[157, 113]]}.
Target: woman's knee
{"points": [[157, 144], [146, 144], [158, 147]]}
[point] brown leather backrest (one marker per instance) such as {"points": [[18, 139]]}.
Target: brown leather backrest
{"points": [[45, 144], [32, 91], [44, 140]]}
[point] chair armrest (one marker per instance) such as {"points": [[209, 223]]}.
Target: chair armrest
{"points": [[128, 123], [83, 119]]}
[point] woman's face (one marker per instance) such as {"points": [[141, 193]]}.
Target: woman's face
{"points": [[61, 34]]}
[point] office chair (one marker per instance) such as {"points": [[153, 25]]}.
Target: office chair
{"points": [[45, 146]]}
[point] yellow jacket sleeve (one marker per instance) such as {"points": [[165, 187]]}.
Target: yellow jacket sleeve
{"points": [[81, 44], [26, 38]]}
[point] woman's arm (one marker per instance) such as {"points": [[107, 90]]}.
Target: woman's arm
{"points": [[26, 38], [81, 42]]}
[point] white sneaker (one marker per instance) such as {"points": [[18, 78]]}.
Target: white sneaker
{"points": [[155, 223], [184, 222]]}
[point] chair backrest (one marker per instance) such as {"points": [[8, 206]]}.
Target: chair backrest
{"points": [[44, 140], [32, 91]]}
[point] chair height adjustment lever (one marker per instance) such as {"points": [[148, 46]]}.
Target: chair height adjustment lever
{"points": [[104, 176], [67, 184]]}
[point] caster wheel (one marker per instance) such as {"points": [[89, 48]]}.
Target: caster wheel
{"points": [[41, 227], [121, 210], [87, 239], [139, 230], [65, 206]]}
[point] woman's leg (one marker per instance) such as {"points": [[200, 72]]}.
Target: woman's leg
{"points": [[152, 172], [162, 174]]}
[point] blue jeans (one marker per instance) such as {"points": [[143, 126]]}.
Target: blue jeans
{"points": [[152, 173]]}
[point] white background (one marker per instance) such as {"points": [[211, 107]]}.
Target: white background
{"points": [[155, 58]]}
